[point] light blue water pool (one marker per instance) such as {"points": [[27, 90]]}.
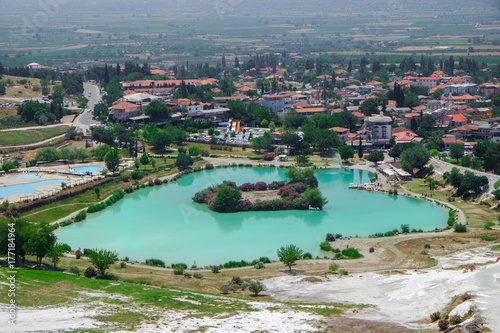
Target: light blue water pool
{"points": [[7, 191], [88, 168], [27, 176], [163, 222]]}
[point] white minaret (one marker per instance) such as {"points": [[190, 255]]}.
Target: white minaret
{"points": [[450, 101]]}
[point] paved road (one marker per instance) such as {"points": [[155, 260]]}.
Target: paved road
{"points": [[84, 120]]}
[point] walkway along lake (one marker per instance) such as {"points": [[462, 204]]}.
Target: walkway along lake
{"points": [[162, 221]]}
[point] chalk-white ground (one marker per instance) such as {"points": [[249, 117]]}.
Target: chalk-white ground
{"points": [[408, 296]]}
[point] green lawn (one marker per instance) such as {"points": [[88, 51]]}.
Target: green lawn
{"points": [[12, 138]]}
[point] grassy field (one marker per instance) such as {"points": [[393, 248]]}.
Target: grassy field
{"points": [[477, 215], [11, 138]]}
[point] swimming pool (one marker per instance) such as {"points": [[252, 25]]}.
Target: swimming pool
{"points": [[27, 176], [28, 188], [88, 168]]}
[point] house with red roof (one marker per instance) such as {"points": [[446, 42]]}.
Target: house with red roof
{"points": [[449, 141], [342, 132], [122, 111], [35, 66], [309, 112], [453, 120]]}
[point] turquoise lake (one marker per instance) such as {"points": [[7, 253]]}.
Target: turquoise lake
{"points": [[162, 221]]}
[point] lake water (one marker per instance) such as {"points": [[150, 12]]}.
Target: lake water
{"points": [[162, 221]]}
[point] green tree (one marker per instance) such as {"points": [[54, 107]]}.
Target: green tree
{"points": [[375, 156], [227, 200], [293, 119], [256, 287], [326, 140], [157, 110], [492, 158], [314, 197], [160, 140], [345, 152], [102, 259], [144, 159], [81, 154], [301, 175], [183, 161], [47, 154], [55, 253], [41, 240], [360, 148], [289, 254], [100, 111], [112, 160], [456, 151], [415, 157], [100, 152], [369, 106], [195, 150]]}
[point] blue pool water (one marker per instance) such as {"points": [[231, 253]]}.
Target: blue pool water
{"points": [[88, 168], [163, 222], [27, 176], [9, 190]]}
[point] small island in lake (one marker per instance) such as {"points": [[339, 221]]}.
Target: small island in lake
{"points": [[299, 193]]}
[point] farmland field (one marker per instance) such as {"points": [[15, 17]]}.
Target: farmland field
{"points": [[98, 32]]}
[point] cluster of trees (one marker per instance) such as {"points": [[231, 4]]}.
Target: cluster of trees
{"points": [[30, 239], [465, 183], [160, 138], [50, 154], [251, 113], [41, 113]]}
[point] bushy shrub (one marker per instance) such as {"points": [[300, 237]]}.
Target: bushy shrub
{"points": [[372, 249], [275, 185], [151, 183], [466, 297], [330, 237], [259, 265], [333, 268], [459, 227], [260, 186], [268, 157], [155, 262], [179, 270], [427, 246], [307, 255], [456, 319], [78, 254], [198, 276], [325, 246], [443, 324], [297, 187], [181, 264], [126, 177], [82, 215], [352, 253], [488, 238], [74, 270], [209, 166], [205, 153], [90, 272], [247, 187], [88, 252], [65, 247], [435, 316], [215, 269], [129, 189], [158, 181], [343, 272]]}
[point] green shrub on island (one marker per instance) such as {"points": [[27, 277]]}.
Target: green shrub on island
{"points": [[155, 262], [307, 255], [325, 246]]}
